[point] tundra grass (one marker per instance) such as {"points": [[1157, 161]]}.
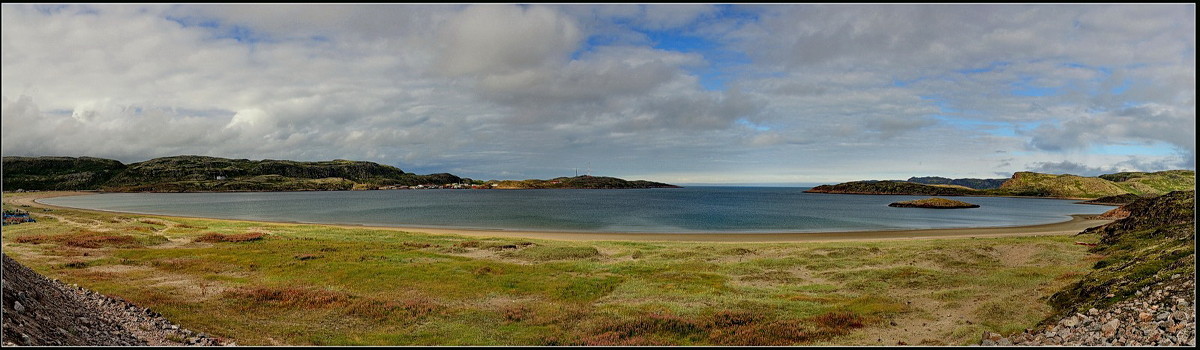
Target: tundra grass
{"points": [[277, 284]]}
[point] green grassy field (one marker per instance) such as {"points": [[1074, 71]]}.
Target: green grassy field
{"points": [[275, 284]]}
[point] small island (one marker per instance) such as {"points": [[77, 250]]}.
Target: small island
{"points": [[933, 203]]}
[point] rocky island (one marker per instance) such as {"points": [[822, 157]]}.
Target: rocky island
{"points": [[934, 203]]}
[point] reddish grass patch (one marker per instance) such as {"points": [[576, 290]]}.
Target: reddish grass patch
{"points": [[468, 244], [647, 324], [840, 320], [405, 309], [616, 339], [770, 333], [728, 318], [30, 239], [83, 239], [487, 270], [417, 245], [292, 296], [213, 237], [517, 313]]}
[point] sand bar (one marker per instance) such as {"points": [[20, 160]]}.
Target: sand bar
{"points": [[1075, 225]]}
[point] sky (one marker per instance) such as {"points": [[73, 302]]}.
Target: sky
{"points": [[678, 93]]}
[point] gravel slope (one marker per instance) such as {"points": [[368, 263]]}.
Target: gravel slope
{"points": [[40, 311]]}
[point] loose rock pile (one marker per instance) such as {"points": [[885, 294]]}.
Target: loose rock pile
{"points": [[1159, 315], [42, 311]]}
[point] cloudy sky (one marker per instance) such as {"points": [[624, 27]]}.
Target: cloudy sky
{"points": [[675, 93]]}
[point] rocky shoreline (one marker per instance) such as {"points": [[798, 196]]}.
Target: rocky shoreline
{"points": [[1160, 315], [40, 311]]}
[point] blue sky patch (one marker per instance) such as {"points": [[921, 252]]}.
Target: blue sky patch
{"points": [[749, 124], [1155, 149]]}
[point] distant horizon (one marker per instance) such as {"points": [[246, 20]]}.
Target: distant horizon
{"points": [[677, 93], [797, 184]]}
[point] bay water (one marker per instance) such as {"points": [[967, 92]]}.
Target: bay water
{"points": [[694, 210]]}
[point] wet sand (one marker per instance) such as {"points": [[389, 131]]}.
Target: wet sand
{"points": [[1075, 225]]}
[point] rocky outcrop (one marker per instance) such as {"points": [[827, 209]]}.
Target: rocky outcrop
{"points": [[1143, 290], [1163, 315], [40, 311]]}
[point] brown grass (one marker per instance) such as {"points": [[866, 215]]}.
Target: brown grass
{"points": [[468, 244], [723, 328], [517, 313], [768, 333], [411, 309], [214, 237], [840, 321], [293, 296], [417, 245]]}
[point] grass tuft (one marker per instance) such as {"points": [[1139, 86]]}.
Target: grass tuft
{"points": [[214, 237]]}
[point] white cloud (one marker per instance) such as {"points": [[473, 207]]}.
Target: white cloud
{"points": [[502, 39]]}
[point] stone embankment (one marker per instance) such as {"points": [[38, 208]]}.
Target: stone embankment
{"points": [[1159, 315], [40, 311]]}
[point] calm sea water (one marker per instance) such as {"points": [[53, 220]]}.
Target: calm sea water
{"points": [[681, 210]]}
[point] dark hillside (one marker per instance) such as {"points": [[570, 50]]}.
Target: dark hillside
{"points": [[892, 187], [58, 173], [979, 184], [202, 173]]}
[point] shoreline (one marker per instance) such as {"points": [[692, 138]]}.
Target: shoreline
{"points": [[1077, 223]]}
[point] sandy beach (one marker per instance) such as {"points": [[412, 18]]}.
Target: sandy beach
{"points": [[1073, 226]]}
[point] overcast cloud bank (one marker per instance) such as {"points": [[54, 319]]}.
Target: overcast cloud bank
{"points": [[674, 93]]}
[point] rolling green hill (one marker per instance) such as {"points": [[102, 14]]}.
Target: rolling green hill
{"points": [[1072, 186], [1037, 185]]}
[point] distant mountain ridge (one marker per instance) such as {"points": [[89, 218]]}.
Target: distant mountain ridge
{"points": [[1033, 184], [979, 184], [582, 182]]}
